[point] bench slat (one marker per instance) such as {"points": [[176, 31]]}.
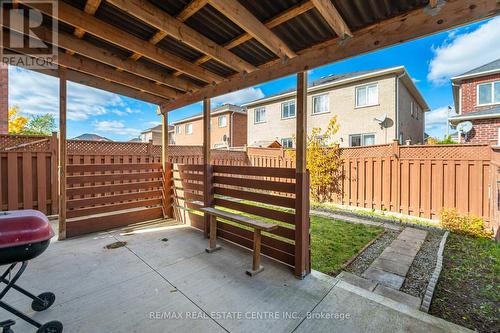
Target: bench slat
{"points": [[240, 219]]}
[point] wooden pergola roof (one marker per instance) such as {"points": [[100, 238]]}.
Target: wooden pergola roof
{"points": [[177, 52]]}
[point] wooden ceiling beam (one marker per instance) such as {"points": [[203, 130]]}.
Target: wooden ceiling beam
{"points": [[332, 17], [190, 10], [74, 17], [97, 69], [94, 82], [75, 45], [402, 28], [233, 10], [90, 8], [281, 18], [154, 16]]}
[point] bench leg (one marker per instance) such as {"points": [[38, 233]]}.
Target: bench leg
{"points": [[212, 241], [256, 267]]}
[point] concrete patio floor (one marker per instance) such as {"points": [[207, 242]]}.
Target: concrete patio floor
{"points": [[154, 285]]}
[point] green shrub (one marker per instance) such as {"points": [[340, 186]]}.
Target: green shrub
{"points": [[458, 223]]}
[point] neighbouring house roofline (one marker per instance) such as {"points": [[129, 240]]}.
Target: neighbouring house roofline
{"points": [[226, 108], [366, 75], [484, 114], [458, 79]]}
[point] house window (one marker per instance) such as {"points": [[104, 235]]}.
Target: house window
{"points": [[222, 121], [189, 128], [260, 115], [367, 95], [288, 110], [287, 143], [488, 93], [320, 104], [178, 129], [357, 140], [412, 109]]}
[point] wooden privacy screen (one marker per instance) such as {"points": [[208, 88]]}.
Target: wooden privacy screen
{"points": [[268, 193], [28, 173], [109, 191]]}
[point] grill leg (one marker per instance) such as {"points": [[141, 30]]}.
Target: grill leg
{"points": [[23, 291], [14, 279], [19, 314]]}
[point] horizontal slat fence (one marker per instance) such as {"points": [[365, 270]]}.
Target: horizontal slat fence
{"points": [[239, 188], [108, 190]]}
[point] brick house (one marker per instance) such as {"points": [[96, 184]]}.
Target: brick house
{"points": [[4, 98], [372, 107], [476, 94], [228, 128]]}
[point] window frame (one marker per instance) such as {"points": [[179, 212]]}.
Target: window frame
{"points": [[492, 83], [362, 139], [178, 129], [219, 120], [283, 108], [286, 146], [327, 96], [189, 125], [257, 110], [356, 88]]}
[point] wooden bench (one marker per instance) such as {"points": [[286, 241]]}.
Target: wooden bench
{"points": [[258, 227]]}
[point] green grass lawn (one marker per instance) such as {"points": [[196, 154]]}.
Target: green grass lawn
{"points": [[468, 290], [333, 242]]}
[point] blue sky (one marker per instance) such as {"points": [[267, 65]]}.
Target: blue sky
{"points": [[431, 61]]}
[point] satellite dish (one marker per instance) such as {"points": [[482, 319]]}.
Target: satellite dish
{"points": [[381, 120], [464, 127]]}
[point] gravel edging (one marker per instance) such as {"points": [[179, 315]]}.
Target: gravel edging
{"points": [[400, 224], [421, 269], [426, 302], [372, 252]]}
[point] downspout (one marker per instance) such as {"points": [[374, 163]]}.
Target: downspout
{"points": [[397, 106], [231, 131]]}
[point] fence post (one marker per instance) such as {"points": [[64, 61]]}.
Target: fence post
{"points": [[54, 174], [397, 182], [149, 149]]}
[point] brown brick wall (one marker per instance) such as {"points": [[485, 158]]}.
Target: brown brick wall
{"points": [[240, 130], [4, 98], [469, 93], [484, 131]]}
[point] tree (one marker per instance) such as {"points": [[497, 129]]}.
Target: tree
{"points": [[323, 161], [446, 141], [17, 123], [41, 125], [37, 125]]}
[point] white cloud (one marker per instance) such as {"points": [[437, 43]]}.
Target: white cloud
{"points": [[37, 94], [436, 120], [415, 80], [239, 97], [114, 127], [460, 53]]}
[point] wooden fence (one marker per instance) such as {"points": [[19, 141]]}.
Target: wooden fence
{"points": [[414, 180]]}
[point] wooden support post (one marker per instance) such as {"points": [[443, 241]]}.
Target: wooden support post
{"points": [[54, 178], [256, 266], [302, 239], [167, 169], [210, 225], [62, 154]]}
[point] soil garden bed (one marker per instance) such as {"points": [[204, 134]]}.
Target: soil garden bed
{"points": [[468, 290]]}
